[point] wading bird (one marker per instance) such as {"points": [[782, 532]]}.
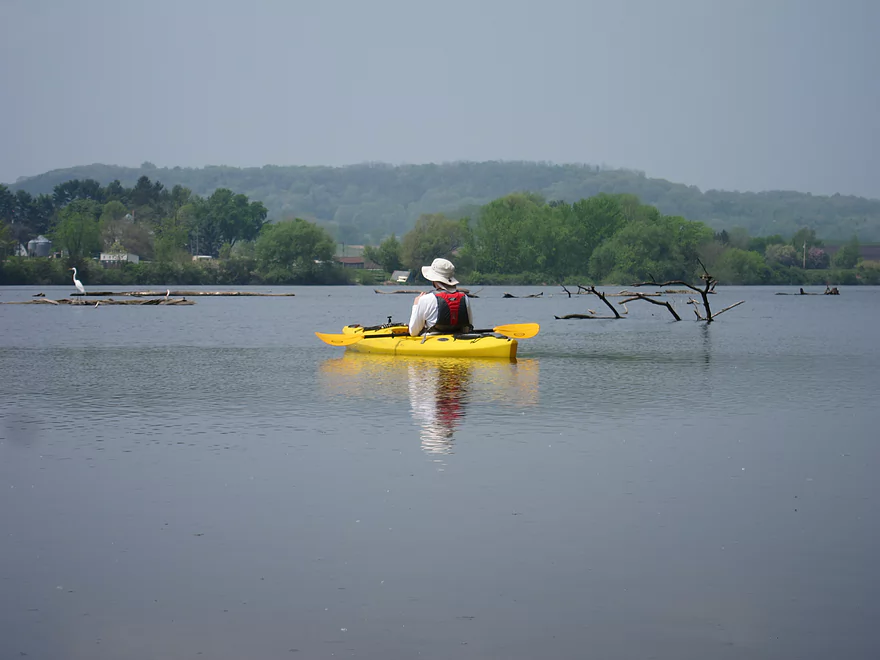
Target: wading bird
{"points": [[79, 285]]}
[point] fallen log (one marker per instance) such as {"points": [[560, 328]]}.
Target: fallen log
{"points": [[586, 316], [398, 291], [172, 292], [107, 301]]}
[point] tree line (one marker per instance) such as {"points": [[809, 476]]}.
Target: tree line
{"points": [[363, 204], [613, 239], [517, 238], [164, 227]]}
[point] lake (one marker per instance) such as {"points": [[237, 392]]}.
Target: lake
{"points": [[212, 481]]}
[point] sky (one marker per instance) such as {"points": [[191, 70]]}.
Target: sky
{"points": [[725, 94]]}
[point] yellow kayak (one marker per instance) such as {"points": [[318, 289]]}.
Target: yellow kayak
{"points": [[395, 340]]}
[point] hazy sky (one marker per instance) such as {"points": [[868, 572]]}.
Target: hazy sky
{"points": [[733, 94]]}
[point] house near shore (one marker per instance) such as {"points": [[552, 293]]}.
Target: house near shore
{"points": [[357, 262], [116, 258], [400, 276]]}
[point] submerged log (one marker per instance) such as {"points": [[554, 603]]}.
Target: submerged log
{"points": [[531, 295], [173, 292], [80, 302]]}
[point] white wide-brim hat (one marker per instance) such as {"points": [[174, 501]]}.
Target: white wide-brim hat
{"points": [[440, 270]]}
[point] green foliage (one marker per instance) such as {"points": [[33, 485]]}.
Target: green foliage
{"points": [[848, 255], [434, 236], [377, 200], [294, 251], [868, 272], [234, 216], [664, 248], [77, 230], [387, 255], [738, 266], [805, 237], [784, 255], [7, 243]]}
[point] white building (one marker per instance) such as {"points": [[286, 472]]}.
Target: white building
{"points": [[108, 258]]}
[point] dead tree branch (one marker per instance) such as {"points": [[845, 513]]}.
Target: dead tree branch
{"points": [[709, 283], [602, 297], [664, 303], [736, 304]]}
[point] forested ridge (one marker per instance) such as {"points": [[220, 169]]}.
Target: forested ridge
{"points": [[368, 202]]}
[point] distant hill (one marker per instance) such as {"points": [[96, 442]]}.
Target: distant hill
{"points": [[364, 203]]}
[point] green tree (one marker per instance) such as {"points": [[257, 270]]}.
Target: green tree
{"points": [[848, 255], [7, 244], [782, 254], [805, 236], [434, 236], [738, 266], [662, 249], [386, 255], [231, 218], [7, 205], [287, 251], [77, 230]]}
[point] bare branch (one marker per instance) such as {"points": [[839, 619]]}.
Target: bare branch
{"points": [[668, 283], [664, 303], [736, 304], [602, 297]]}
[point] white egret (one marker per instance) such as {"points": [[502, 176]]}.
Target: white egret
{"points": [[167, 293], [79, 285]]}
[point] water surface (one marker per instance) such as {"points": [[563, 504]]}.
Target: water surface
{"points": [[212, 481]]}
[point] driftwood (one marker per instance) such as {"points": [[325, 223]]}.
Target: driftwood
{"points": [[108, 301], [531, 295], [398, 291], [829, 291], [172, 292]]}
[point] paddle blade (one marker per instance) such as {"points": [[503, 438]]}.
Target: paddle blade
{"points": [[338, 340], [518, 330]]}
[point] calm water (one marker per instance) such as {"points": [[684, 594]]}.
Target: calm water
{"points": [[212, 481]]}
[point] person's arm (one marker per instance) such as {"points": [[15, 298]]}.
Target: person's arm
{"points": [[467, 301], [417, 316]]}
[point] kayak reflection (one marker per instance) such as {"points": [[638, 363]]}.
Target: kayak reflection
{"points": [[440, 390], [438, 395]]}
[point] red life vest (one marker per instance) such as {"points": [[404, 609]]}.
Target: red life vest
{"points": [[452, 314]]}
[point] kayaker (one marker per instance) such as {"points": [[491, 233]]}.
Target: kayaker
{"points": [[446, 309]]}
